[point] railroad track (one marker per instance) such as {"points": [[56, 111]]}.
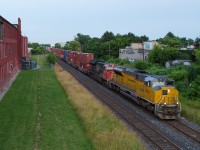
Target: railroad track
{"points": [[192, 134], [153, 138]]}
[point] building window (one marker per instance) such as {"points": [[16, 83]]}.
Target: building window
{"points": [[1, 30]]}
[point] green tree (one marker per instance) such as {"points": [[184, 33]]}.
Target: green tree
{"points": [[161, 55], [51, 58], [73, 45], [57, 45], [197, 54], [37, 50], [82, 39], [170, 40], [195, 88], [169, 35], [107, 36], [144, 38], [142, 65], [93, 46], [34, 45]]}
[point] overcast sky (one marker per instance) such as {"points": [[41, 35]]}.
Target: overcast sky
{"points": [[52, 21]]}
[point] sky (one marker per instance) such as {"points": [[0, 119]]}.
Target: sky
{"points": [[54, 21]]}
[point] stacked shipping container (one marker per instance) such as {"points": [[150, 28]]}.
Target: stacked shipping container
{"points": [[76, 59], [85, 59]]}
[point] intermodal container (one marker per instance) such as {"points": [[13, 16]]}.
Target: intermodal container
{"points": [[61, 53], [66, 53], [85, 59], [76, 56], [70, 57]]}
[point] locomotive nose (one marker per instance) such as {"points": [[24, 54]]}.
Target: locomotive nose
{"points": [[169, 95]]}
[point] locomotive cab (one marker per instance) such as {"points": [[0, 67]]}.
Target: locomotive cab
{"points": [[166, 101]]}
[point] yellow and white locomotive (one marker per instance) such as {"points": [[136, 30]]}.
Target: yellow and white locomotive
{"points": [[156, 93]]}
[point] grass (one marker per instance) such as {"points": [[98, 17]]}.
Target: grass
{"points": [[191, 110], [104, 129], [35, 114]]}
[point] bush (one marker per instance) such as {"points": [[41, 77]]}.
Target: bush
{"points": [[51, 58], [161, 55], [115, 61], [37, 51], [125, 62], [195, 88], [142, 65]]}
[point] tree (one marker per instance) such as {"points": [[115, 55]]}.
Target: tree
{"points": [[172, 42], [186, 42], [93, 46], [197, 54], [169, 35], [142, 65], [57, 45], [51, 58], [197, 42], [161, 55], [73, 45], [37, 49], [195, 88], [144, 38], [82, 39], [33, 45], [107, 36]]}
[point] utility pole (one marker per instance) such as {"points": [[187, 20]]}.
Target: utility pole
{"points": [[109, 50], [143, 49]]}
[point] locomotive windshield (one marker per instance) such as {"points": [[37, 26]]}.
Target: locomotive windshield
{"points": [[169, 82], [157, 83], [109, 69]]}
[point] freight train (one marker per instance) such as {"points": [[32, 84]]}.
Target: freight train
{"points": [[154, 92], [13, 47]]}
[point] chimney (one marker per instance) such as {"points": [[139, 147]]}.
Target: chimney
{"points": [[19, 24]]}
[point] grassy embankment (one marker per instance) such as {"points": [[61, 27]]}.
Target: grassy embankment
{"points": [[36, 114], [191, 110], [105, 130]]}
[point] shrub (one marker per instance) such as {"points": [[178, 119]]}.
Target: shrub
{"points": [[51, 58], [142, 65], [161, 55], [38, 50], [195, 88]]}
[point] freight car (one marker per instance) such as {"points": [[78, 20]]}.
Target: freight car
{"points": [[154, 92], [13, 46], [81, 61]]}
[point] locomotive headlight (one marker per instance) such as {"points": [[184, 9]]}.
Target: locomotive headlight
{"points": [[168, 90], [177, 103], [165, 103]]}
